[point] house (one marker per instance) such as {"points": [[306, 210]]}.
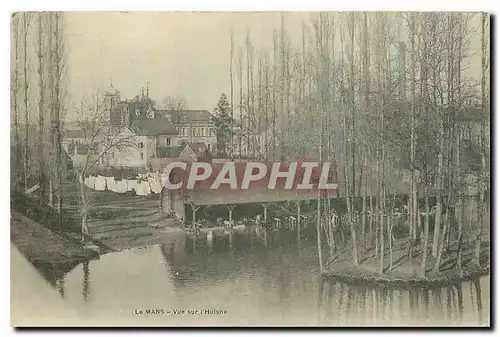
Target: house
{"points": [[188, 152], [193, 126], [134, 123]]}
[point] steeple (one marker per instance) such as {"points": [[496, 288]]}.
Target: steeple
{"points": [[142, 90], [111, 91], [147, 89]]}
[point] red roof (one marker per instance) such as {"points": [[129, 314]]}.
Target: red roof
{"points": [[178, 174]]}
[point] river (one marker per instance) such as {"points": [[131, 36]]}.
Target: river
{"points": [[249, 285]]}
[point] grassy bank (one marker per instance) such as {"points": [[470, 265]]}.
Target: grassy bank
{"points": [[40, 245], [402, 270]]}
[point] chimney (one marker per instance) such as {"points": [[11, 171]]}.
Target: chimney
{"points": [[402, 70]]}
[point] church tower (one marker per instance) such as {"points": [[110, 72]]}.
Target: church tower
{"points": [[111, 97]]}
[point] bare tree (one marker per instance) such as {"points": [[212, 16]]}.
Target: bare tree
{"points": [[248, 45], [175, 103], [231, 55], [41, 106], [58, 100], [240, 108], [483, 178], [15, 87], [100, 140], [346, 99], [25, 32]]}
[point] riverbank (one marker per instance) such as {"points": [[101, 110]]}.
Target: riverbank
{"points": [[120, 221], [40, 245], [402, 271]]}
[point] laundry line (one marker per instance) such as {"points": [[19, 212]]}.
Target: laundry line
{"points": [[146, 184]]}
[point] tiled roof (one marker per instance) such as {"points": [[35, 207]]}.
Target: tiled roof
{"points": [[153, 127], [198, 148], [177, 116], [117, 112], [169, 152]]}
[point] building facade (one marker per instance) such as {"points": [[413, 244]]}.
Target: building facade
{"points": [[193, 126], [149, 133]]}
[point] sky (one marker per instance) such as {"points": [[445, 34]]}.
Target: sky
{"points": [[179, 53]]}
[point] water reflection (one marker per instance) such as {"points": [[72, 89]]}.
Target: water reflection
{"points": [[384, 305], [277, 285]]}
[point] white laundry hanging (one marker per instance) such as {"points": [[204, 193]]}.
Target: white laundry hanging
{"points": [[91, 182], [155, 185], [112, 185], [121, 186], [100, 183], [131, 185], [143, 188], [110, 181]]}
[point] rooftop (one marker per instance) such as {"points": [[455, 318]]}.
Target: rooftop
{"points": [[153, 127], [179, 116]]}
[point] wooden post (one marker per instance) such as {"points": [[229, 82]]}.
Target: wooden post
{"points": [[194, 208], [318, 233], [230, 239], [230, 207], [298, 221]]}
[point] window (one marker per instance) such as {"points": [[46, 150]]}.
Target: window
{"points": [[141, 145], [208, 147], [142, 156], [167, 141]]}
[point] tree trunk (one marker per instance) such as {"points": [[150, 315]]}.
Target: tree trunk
{"points": [[389, 237], [460, 206], [84, 206], [240, 79], [363, 212], [352, 102], [413, 196], [248, 46], [370, 224], [41, 107], [57, 113], [426, 234], [330, 234], [232, 94], [439, 183], [26, 24], [437, 264], [318, 234], [15, 92], [483, 174], [348, 195]]}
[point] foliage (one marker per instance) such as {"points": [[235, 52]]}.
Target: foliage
{"points": [[223, 123]]}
